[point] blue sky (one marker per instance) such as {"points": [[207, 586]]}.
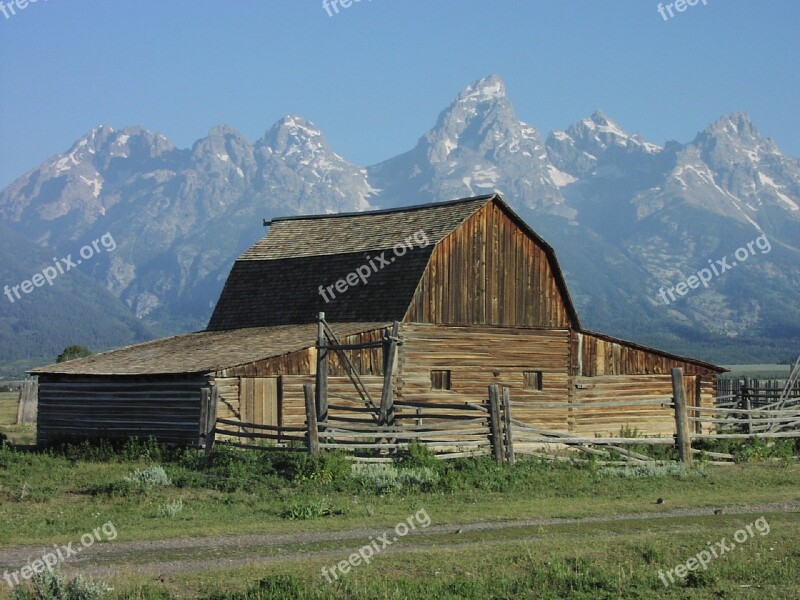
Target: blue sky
{"points": [[375, 76]]}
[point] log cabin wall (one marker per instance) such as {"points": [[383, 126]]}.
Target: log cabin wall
{"points": [[608, 370], [602, 355], [479, 356], [489, 272], [166, 407]]}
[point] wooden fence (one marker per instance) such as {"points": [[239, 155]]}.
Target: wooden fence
{"points": [[490, 429], [449, 430], [758, 392], [377, 429]]}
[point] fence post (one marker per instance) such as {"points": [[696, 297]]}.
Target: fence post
{"points": [[698, 402], [311, 420], [509, 442], [28, 402], [387, 396], [211, 421], [494, 423], [682, 436], [322, 370]]}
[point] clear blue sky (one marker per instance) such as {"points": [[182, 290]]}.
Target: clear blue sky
{"points": [[375, 76]]}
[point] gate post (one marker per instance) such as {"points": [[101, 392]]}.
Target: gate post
{"points": [[494, 423], [682, 435]]}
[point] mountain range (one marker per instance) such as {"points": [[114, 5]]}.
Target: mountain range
{"points": [[631, 222]]}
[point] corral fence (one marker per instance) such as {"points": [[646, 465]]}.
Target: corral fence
{"points": [[377, 429], [757, 392], [489, 429], [449, 430]]}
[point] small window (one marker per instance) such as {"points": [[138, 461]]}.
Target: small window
{"points": [[532, 381], [440, 380]]}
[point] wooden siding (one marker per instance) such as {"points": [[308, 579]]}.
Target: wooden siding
{"points": [[70, 407], [489, 272], [302, 362], [649, 419], [598, 355], [228, 404], [480, 356], [294, 411]]}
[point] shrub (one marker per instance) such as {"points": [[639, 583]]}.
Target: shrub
{"points": [[149, 477], [54, 586], [386, 478], [171, 509], [418, 455], [648, 470], [301, 510]]}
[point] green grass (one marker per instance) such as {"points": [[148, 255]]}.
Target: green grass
{"points": [[47, 497], [587, 561], [20, 434], [56, 496]]}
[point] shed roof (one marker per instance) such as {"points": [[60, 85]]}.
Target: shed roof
{"points": [[201, 352]]}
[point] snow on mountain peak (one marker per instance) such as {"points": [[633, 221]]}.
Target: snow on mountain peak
{"points": [[486, 89], [295, 136]]}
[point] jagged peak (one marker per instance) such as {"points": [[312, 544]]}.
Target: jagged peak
{"points": [[294, 132], [486, 89], [735, 124], [298, 126], [601, 122], [224, 131]]}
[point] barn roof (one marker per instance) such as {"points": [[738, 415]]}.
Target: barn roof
{"points": [[201, 352], [278, 280], [343, 233]]}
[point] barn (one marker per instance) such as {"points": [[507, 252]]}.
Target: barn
{"points": [[478, 298]]}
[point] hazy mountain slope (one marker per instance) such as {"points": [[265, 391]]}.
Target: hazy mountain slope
{"points": [[629, 219], [74, 310]]}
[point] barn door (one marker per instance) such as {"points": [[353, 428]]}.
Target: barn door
{"points": [[260, 400]]}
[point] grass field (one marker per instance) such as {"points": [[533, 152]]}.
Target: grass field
{"points": [[263, 526], [20, 434]]}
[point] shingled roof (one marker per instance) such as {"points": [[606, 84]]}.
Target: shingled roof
{"points": [[201, 352], [344, 233], [276, 282]]}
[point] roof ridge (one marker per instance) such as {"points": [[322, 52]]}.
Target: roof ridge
{"points": [[382, 211]]}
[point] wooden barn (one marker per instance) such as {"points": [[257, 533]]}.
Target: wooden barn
{"points": [[480, 300]]}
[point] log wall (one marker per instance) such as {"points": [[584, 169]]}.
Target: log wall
{"points": [[600, 355], [108, 407], [478, 357]]}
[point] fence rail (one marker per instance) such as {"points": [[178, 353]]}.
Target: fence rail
{"points": [[453, 430]]}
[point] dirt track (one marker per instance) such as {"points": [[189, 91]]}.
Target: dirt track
{"points": [[157, 557]]}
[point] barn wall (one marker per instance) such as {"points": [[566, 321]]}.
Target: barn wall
{"points": [[119, 407], [478, 357], [610, 371], [578, 372], [304, 361], [602, 356], [294, 406], [489, 272]]}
